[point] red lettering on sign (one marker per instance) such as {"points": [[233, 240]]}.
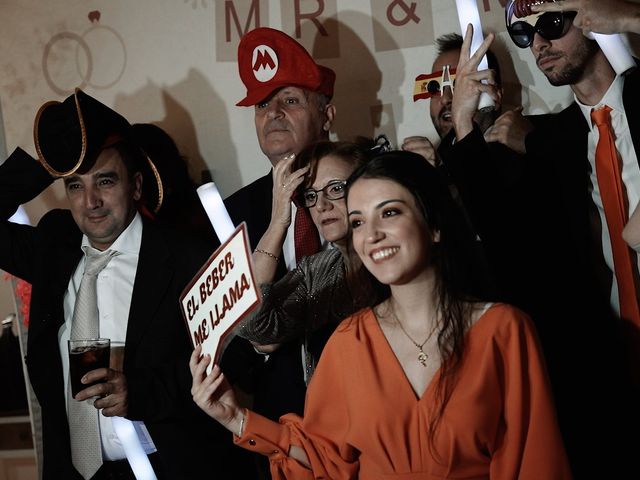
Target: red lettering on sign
{"points": [[202, 333]]}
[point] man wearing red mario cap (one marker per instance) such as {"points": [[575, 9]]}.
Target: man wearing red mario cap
{"points": [[291, 96], [289, 90]]}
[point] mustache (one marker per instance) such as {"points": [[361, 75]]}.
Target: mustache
{"points": [[547, 54], [96, 213], [276, 124]]}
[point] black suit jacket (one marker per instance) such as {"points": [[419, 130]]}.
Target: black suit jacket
{"points": [[278, 385], [252, 204], [566, 133], [157, 344], [534, 214]]}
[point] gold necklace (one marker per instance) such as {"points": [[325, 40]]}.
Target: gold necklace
{"points": [[422, 356]]}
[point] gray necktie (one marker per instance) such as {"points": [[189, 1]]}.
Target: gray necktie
{"points": [[86, 449]]}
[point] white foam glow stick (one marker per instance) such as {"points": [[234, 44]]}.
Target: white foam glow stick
{"points": [[616, 51], [468, 14], [138, 460], [216, 211], [20, 217]]}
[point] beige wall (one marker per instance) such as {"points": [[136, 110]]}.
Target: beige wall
{"points": [[171, 62]]}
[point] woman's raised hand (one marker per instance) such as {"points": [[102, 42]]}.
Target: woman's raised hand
{"points": [[212, 393], [285, 183]]}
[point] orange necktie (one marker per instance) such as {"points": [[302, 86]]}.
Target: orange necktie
{"points": [[305, 234], [615, 209]]}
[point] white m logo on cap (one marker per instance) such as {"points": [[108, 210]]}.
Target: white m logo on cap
{"points": [[264, 63]]}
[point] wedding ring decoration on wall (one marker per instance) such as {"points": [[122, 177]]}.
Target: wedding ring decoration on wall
{"points": [[96, 58]]}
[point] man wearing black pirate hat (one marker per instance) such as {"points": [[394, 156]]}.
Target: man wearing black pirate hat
{"points": [[113, 188]]}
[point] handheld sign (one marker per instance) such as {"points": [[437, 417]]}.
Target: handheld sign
{"points": [[468, 13], [220, 295]]}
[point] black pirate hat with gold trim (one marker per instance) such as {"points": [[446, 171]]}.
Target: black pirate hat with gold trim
{"points": [[69, 136]]}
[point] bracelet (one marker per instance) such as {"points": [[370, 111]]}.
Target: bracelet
{"points": [[264, 252], [244, 416]]}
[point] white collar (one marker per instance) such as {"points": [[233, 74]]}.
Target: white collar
{"points": [[612, 98]]}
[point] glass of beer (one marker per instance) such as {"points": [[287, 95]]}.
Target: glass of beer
{"points": [[86, 355]]}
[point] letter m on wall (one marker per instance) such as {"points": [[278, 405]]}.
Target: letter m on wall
{"points": [[234, 18]]}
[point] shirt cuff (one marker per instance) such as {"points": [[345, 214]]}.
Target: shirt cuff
{"points": [[264, 436]]}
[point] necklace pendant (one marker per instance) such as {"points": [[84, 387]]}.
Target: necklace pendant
{"points": [[422, 358]]}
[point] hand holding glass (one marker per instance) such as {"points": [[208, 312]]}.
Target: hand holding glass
{"points": [[86, 355]]}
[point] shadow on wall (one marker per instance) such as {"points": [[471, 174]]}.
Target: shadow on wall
{"points": [[359, 80], [191, 110]]}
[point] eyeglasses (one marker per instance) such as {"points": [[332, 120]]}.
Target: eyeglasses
{"points": [[550, 26], [428, 85], [334, 190]]}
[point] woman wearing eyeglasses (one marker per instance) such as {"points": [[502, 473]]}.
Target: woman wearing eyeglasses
{"points": [[430, 383], [310, 300]]}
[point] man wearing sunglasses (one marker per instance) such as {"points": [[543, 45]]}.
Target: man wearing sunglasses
{"points": [[604, 111], [586, 159], [524, 213]]}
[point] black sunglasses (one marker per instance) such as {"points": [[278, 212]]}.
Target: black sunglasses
{"points": [[550, 26]]}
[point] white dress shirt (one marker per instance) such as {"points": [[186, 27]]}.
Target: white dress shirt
{"points": [[114, 288]]}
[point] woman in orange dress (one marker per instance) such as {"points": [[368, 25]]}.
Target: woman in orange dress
{"points": [[430, 383]]}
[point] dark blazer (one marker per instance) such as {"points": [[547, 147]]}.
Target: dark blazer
{"points": [[567, 134], [534, 215], [252, 204], [278, 384], [157, 344]]}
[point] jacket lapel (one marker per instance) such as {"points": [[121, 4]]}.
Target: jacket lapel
{"points": [[154, 274], [62, 257]]}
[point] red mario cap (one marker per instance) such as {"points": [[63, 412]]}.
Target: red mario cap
{"points": [[269, 59]]}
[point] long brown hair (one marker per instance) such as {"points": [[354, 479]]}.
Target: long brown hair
{"points": [[454, 259]]}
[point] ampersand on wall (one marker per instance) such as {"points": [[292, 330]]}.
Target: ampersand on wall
{"points": [[409, 13]]}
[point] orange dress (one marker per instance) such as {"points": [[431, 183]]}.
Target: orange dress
{"points": [[363, 420]]}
